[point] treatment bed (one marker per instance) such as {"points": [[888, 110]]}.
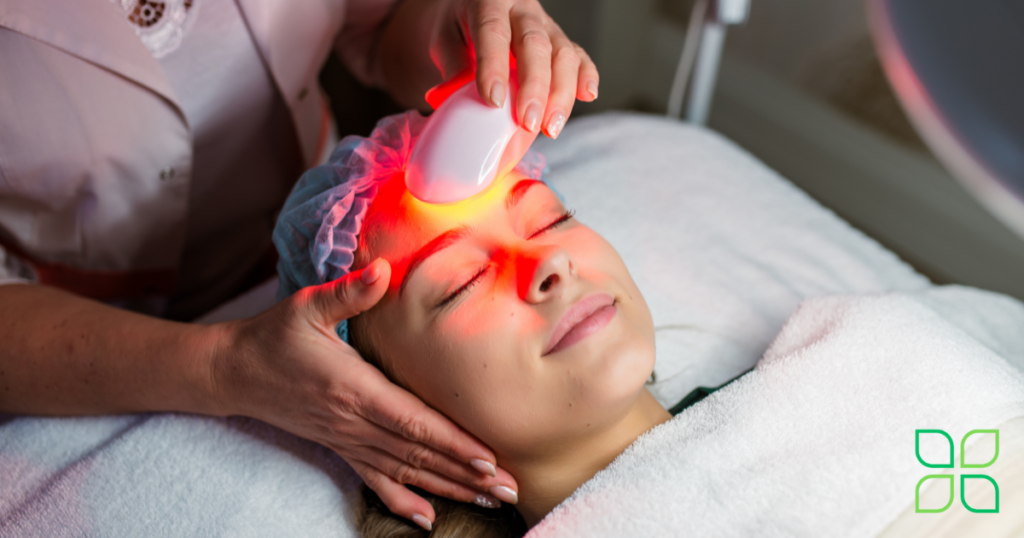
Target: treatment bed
{"points": [[723, 248]]}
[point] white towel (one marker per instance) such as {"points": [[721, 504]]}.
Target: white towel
{"points": [[819, 440]]}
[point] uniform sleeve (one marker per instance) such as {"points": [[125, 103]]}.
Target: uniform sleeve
{"points": [[14, 270], [357, 43]]}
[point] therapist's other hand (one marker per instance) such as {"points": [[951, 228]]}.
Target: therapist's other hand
{"points": [[288, 367], [553, 71]]}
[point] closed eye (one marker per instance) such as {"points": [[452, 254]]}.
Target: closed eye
{"points": [[455, 294], [565, 217], [562, 219]]}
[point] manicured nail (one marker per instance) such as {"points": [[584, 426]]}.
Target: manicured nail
{"points": [[505, 493], [421, 520], [484, 467], [592, 88], [370, 274], [531, 120], [486, 501], [498, 94], [555, 124]]}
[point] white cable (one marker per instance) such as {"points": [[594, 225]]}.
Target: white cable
{"points": [[686, 59], [733, 11], [705, 73]]}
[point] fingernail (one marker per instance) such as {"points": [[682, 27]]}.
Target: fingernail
{"points": [[531, 120], [505, 493], [484, 467], [370, 274], [486, 501], [555, 124], [421, 520], [592, 88], [498, 94]]}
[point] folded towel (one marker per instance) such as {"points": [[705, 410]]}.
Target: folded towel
{"points": [[169, 475], [818, 440]]}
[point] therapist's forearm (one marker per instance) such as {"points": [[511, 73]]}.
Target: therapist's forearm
{"points": [[61, 354]]}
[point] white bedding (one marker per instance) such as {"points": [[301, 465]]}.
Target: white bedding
{"points": [[819, 440], [722, 247]]}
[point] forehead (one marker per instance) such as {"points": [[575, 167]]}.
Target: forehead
{"points": [[397, 224]]}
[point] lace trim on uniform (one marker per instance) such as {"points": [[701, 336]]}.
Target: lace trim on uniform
{"points": [[161, 25]]}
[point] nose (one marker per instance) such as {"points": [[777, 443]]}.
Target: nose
{"points": [[544, 273]]}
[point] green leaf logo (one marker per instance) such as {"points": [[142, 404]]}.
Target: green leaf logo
{"points": [[963, 478], [917, 449], [963, 453], [917, 495], [993, 510]]}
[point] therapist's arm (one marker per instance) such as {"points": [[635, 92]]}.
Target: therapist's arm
{"points": [[427, 41], [65, 355], [61, 354]]}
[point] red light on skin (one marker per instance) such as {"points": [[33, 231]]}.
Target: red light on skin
{"points": [[525, 266], [399, 225], [395, 205], [462, 210]]}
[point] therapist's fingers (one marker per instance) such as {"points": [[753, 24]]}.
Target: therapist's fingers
{"points": [[388, 476], [396, 496], [589, 79], [565, 68], [356, 292], [491, 32], [399, 411], [532, 47], [420, 456], [403, 473]]}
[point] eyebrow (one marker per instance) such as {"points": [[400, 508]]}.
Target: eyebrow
{"points": [[449, 238], [516, 193], [436, 244]]}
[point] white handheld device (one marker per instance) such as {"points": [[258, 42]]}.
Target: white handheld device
{"points": [[466, 143]]}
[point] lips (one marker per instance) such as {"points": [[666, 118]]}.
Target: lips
{"points": [[584, 318]]}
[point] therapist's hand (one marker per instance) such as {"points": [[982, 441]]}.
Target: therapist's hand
{"points": [[288, 367], [553, 71], [460, 34]]}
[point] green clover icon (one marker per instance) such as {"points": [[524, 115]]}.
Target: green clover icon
{"points": [[917, 449], [950, 464], [917, 495], [963, 453]]}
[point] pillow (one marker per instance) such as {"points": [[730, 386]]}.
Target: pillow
{"points": [[722, 247]]}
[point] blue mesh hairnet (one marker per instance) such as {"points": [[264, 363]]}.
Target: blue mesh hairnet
{"points": [[317, 232]]}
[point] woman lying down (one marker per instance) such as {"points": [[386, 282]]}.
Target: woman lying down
{"points": [[524, 326]]}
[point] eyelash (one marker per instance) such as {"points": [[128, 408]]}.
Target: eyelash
{"points": [[562, 219], [455, 294]]}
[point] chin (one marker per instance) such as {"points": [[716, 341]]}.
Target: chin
{"points": [[621, 370]]}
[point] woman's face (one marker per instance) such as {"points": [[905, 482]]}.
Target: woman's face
{"points": [[507, 315]]}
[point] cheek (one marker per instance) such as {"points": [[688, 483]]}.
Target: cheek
{"points": [[617, 371], [476, 364], [599, 259]]}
